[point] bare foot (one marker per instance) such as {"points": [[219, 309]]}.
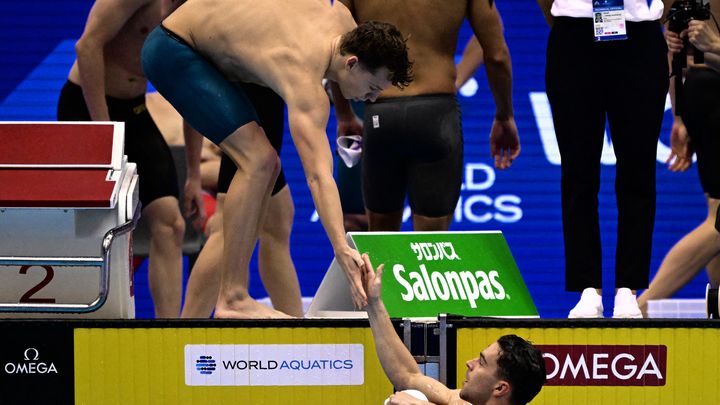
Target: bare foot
{"points": [[247, 308]]}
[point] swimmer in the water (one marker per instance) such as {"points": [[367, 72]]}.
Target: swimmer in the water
{"points": [[509, 371]]}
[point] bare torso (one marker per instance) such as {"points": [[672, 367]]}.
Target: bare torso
{"points": [[432, 28], [256, 42], [124, 77]]}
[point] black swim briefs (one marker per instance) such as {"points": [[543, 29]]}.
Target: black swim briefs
{"points": [[144, 144], [414, 146], [270, 109]]}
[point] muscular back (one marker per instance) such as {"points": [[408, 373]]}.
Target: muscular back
{"points": [[432, 28], [263, 42]]}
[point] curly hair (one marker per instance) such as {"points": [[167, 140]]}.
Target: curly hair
{"points": [[377, 45], [522, 365]]}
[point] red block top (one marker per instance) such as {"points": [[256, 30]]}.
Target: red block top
{"points": [[56, 188], [56, 144]]}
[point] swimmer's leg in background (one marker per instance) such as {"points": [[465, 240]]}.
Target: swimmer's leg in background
{"points": [[275, 264], [686, 258]]}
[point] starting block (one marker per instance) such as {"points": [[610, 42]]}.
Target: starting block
{"points": [[69, 200]]}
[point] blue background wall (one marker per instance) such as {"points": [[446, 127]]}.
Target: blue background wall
{"points": [[36, 51]]}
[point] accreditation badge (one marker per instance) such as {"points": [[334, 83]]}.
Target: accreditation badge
{"points": [[609, 20]]}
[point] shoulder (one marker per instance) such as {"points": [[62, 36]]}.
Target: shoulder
{"points": [[349, 4], [305, 95], [118, 9], [343, 11], [123, 4]]}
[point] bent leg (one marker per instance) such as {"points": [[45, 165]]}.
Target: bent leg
{"points": [[274, 262], [167, 228], [202, 289], [246, 202], [713, 269], [684, 260]]}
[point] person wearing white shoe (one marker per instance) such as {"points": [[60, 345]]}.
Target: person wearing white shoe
{"points": [[616, 78], [590, 305], [626, 305]]}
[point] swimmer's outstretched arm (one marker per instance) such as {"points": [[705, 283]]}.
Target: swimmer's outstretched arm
{"points": [[308, 112], [397, 362]]}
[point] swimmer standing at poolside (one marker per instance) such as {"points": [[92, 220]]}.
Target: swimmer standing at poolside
{"points": [[200, 53]]}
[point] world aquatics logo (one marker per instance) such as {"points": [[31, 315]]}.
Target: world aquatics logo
{"points": [[205, 365]]}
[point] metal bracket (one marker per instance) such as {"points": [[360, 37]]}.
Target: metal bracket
{"points": [[102, 262]]}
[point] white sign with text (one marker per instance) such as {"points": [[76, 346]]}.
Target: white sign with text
{"points": [[274, 365]]}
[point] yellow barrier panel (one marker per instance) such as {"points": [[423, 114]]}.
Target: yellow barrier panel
{"points": [[664, 365], [150, 366]]}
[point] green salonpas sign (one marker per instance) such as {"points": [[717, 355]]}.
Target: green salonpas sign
{"points": [[464, 273]]}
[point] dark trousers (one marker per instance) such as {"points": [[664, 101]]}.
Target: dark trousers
{"points": [[626, 83]]}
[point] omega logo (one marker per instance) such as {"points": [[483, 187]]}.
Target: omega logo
{"points": [[30, 365], [32, 350]]}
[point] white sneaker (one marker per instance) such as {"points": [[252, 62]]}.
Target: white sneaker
{"points": [[590, 305], [626, 305]]}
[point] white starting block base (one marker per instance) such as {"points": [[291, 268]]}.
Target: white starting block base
{"points": [[677, 308], [68, 204], [67, 234], [333, 298]]}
